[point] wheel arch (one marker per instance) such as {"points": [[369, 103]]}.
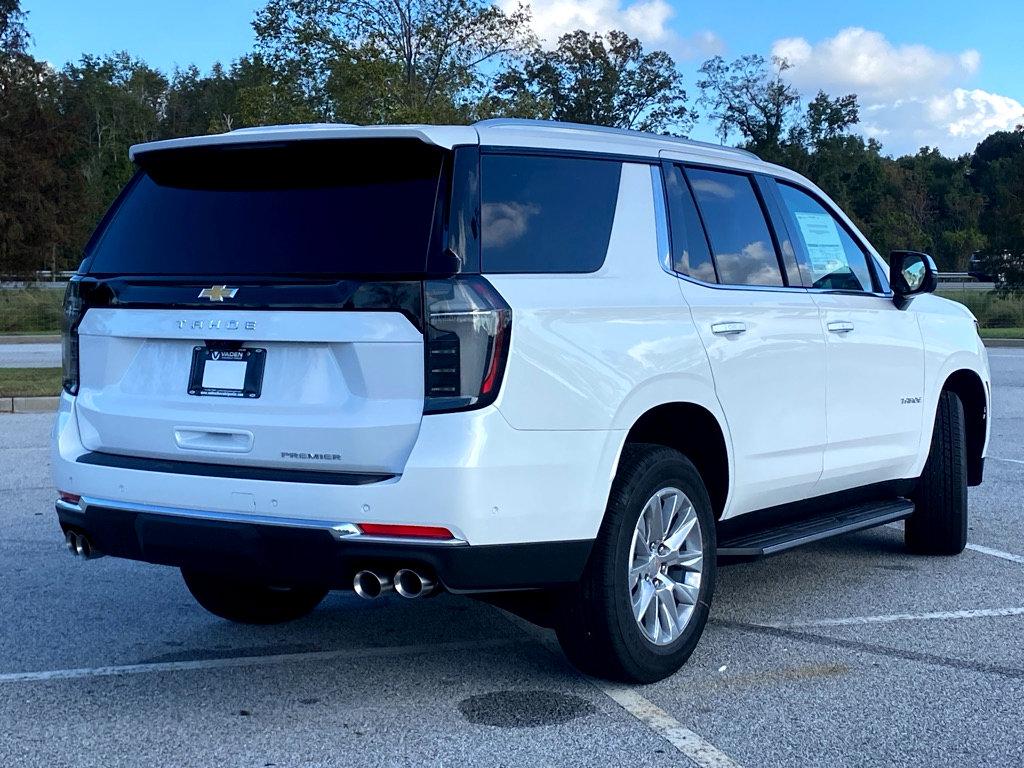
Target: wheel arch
{"points": [[696, 432], [969, 387]]}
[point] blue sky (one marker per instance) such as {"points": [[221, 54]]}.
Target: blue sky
{"points": [[944, 76]]}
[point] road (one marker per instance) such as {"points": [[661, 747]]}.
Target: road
{"points": [[30, 355], [847, 653]]}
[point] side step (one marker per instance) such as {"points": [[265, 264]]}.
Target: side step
{"points": [[781, 538]]}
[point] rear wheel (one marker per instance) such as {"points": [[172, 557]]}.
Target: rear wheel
{"points": [[250, 603], [939, 523], [644, 598]]}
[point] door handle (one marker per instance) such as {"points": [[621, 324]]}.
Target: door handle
{"points": [[732, 328], [840, 326]]}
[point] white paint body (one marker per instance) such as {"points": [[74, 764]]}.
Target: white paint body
{"points": [[804, 411]]}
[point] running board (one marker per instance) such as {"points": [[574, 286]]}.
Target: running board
{"points": [[785, 537]]}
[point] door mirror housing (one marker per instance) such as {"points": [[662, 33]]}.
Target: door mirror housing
{"points": [[911, 274]]}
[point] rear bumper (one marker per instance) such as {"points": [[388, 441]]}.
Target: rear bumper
{"points": [[296, 553], [471, 473]]}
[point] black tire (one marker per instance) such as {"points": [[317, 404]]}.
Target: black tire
{"points": [[939, 523], [596, 627], [249, 603]]}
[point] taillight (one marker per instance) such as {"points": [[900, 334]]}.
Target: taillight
{"points": [[467, 339], [74, 307]]}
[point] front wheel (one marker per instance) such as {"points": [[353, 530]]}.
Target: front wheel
{"points": [[939, 523], [643, 601], [251, 603]]}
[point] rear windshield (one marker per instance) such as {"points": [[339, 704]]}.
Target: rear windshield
{"points": [[308, 208]]}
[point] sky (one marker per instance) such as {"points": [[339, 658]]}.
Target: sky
{"points": [[943, 74]]}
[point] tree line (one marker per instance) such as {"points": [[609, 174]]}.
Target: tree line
{"points": [[65, 133]]}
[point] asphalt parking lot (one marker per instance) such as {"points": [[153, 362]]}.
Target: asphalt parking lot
{"points": [[850, 652]]}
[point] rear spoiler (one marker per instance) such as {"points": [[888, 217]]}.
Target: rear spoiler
{"points": [[445, 136]]}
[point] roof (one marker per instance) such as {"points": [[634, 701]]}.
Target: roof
{"points": [[500, 132]]}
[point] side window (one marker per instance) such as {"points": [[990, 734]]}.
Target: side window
{"points": [[830, 257], [690, 253], [740, 239], [546, 214]]}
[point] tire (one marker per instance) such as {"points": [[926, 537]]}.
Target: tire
{"points": [[248, 603], [939, 523], [596, 626]]}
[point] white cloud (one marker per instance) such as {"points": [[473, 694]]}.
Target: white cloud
{"points": [[910, 95], [646, 20]]}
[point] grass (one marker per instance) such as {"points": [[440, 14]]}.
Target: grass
{"points": [[1002, 333], [995, 312], [31, 310], [30, 382]]}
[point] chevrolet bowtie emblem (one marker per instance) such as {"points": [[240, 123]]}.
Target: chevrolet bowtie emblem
{"points": [[218, 293]]}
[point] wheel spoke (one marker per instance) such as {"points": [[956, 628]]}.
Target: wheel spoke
{"points": [[643, 599], [686, 593], [638, 570], [655, 521], [691, 560], [667, 614]]}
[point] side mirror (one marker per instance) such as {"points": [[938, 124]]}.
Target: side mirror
{"points": [[911, 274]]}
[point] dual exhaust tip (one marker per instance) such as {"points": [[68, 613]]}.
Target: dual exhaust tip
{"points": [[406, 582], [80, 546]]}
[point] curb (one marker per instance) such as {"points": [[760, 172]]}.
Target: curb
{"points": [[28, 404], [30, 338]]}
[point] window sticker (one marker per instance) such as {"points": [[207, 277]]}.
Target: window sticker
{"points": [[824, 247]]}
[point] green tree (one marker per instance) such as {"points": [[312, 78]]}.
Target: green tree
{"points": [[114, 102], [997, 173], [38, 192], [402, 60], [601, 80], [751, 98]]}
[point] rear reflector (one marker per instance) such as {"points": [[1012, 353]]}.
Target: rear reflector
{"points": [[406, 531], [70, 498]]}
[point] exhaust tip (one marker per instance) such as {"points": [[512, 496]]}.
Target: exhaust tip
{"points": [[411, 584], [369, 585], [82, 547], [71, 539]]}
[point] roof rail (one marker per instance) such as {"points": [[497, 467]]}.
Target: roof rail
{"points": [[517, 122]]}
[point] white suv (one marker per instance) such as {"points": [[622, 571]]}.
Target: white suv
{"points": [[563, 368]]}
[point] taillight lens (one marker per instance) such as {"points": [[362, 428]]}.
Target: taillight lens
{"points": [[467, 340], [74, 307]]}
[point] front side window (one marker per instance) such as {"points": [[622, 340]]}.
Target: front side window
{"points": [[830, 257], [546, 214], [740, 239]]}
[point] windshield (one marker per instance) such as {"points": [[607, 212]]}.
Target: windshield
{"points": [[307, 208]]}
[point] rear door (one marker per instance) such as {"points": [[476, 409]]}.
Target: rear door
{"points": [[763, 337], [262, 306], [875, 351]]}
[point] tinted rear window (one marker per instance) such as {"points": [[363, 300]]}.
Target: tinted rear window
{"points": [[547, 214], [309, 208]]}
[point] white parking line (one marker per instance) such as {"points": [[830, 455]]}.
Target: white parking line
{"points": [[245, 661], [996, 553], [1010, 461], [698, 749], [692, 745], [980, 613]]}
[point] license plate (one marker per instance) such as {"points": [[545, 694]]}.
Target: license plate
{"points": [[226, 373]]}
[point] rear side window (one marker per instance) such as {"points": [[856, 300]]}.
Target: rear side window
{"points": [[740, 239], [307, 208], [546, 214], [829, 254], [690, 253]]}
